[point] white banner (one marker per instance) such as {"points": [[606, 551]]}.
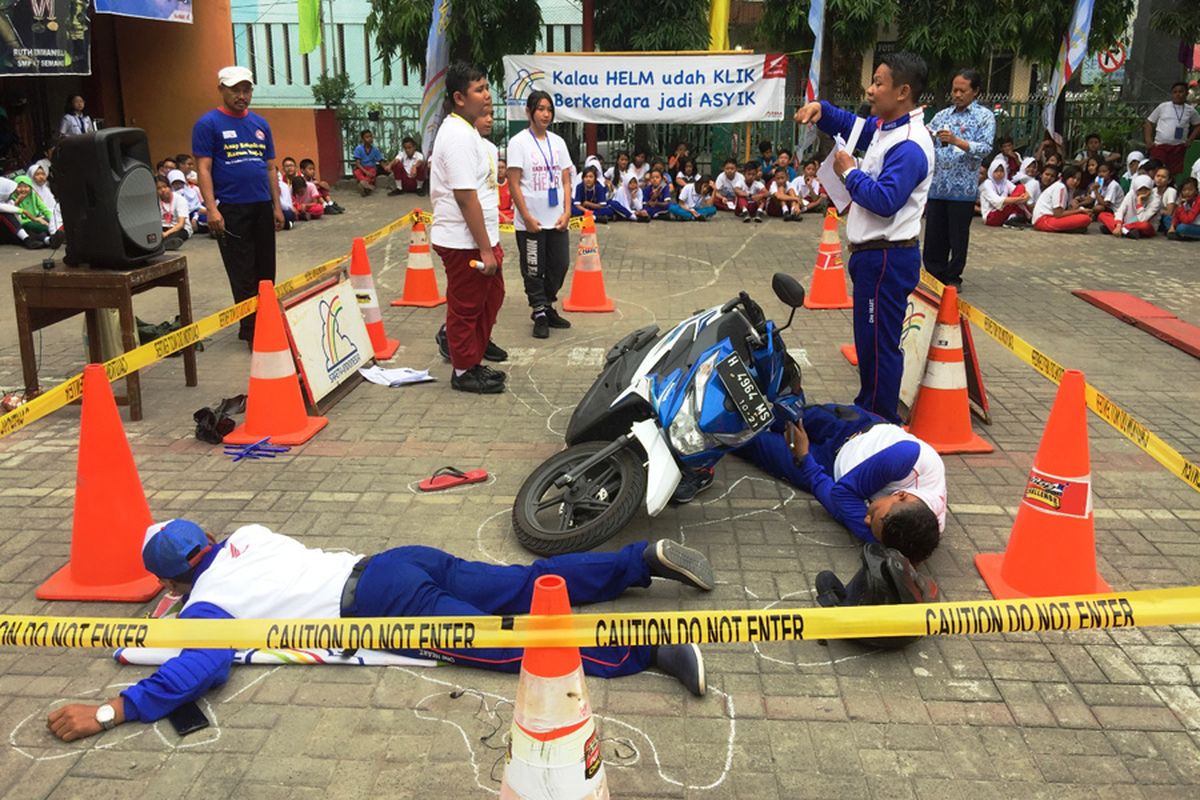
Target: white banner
{"points": [[690, 87]]}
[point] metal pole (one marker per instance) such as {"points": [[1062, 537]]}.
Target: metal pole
{"points": [[589, 44]]}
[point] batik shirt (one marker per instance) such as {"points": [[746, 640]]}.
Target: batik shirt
{"points": [[956, 172]]}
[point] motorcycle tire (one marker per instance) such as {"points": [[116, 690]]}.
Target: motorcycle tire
{"points": [[551, 521]]}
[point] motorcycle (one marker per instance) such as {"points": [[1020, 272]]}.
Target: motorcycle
{"points": [[662, 404]]}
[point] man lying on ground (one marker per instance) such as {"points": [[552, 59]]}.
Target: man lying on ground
{"points": [[258, 574]]}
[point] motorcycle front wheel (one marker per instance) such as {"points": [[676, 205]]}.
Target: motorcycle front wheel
{"points": [[600, 502]]}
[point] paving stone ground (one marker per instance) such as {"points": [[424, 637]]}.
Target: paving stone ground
{"points": [[1090, 714]]}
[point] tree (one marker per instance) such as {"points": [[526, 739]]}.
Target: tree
{"points": [[948, 33], [480, 32], [669, 25], [1182, 21]]}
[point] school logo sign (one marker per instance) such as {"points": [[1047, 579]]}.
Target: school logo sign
{"points": [[330, 339]]}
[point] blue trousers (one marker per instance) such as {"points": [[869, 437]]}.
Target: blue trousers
{"points": [[883, 279], [828, 427], [1187, 230], [419, 581], [679, 212]]}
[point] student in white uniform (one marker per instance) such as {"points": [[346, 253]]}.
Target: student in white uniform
{"points": [[999, 198], [409, 169], [539, 178], [1056, 211], [627, 201]]}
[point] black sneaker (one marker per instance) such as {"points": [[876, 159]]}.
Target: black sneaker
{"points": [[692, 484], [395, 192], [475, 380], [670, 559], [555, 319], [172, 244], [541, 327], [56, 239], [747, 218], [684, 663], [1133, 234], [494, 352], [830, 590], [33, 243], [1173, 236], [443, 343], [494, 374], [760, 216]]}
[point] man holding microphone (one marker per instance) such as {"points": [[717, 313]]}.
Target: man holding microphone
{"points": [[466, 229], [888, 188]]}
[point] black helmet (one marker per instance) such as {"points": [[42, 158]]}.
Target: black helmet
{"points": [[885, 578]]}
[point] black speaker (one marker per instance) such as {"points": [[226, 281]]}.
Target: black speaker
{"points": [[105, 186]]}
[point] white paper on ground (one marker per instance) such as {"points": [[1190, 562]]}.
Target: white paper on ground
{"points": [[398, 376]]}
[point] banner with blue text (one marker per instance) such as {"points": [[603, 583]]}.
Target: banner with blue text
{"points": [[647, 87], [166, 10]]}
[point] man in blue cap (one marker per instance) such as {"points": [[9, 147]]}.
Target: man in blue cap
{"points": [[259, 574]]}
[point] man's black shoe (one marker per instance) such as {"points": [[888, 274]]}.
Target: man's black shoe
{"points": [[555, 319], [442, 342], [670, 559], [494, 352], [830, 590], [692, 484], [494, 374], [475, 380], [684, 663], [541, 327]]}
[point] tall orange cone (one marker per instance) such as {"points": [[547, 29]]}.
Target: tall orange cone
{"points": [[111, 513], [274, 405], [828, 287], [941, 413], [1052, 547], [554, 747], [368, 301], [420, 282], [587, 286]]}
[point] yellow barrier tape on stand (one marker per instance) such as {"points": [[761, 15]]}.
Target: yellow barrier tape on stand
{"points": [[1175, 462], [965, 618]]}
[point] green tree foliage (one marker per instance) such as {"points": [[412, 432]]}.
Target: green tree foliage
{"points": [[947, 33], [480, 32], [1182, 20], [661, 25]]}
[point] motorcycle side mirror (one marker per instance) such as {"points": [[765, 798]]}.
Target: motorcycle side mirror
{"points": [[790, 292], [788, 289]]}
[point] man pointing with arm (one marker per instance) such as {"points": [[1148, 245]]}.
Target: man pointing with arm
{"points": [[889, 188]]}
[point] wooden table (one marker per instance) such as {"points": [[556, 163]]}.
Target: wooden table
{"points": [[46, 296]]}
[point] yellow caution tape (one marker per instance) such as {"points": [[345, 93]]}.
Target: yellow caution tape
{"points": [[1179, 466], [966, 618], [141, 357]]}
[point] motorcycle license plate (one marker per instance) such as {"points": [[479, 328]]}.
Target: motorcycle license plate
{"points": [[753, 407]]}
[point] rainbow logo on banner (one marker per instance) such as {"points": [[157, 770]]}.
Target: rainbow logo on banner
{"points": [[341, 354]]}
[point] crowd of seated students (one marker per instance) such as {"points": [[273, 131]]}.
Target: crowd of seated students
{"points": [[1132, 198]]}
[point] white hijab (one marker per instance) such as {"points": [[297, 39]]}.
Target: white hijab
{"points": [[1004, 187], [42, 190], [1025, 162], [630, 200], [1136, 155]]}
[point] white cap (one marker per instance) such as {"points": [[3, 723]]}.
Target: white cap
{"points": [[176, 175], [232, 76]]}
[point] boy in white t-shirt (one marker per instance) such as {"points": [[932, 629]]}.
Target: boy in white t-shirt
{"points": [[731, 189], [808, 188], [695, 203], [783, 200], [409, 169], [176, 224], [756, 191]]}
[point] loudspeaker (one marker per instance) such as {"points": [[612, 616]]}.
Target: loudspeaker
{"points": [[105, 186]]}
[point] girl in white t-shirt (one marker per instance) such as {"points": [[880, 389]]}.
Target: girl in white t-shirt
{"points": [[999, 198], [1138, 213], [614, 176], [1056, 211], [695, 202], [539, 178], [176, 225], [1168, 197], [808, 188]]}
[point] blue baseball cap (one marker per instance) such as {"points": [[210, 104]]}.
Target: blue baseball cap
{"points": [[168, 545]]}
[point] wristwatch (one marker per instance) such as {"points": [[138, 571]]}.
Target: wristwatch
{"points": [[106, 715]]}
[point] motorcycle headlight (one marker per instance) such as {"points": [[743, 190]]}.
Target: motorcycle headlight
{"points": [[684, 433]]}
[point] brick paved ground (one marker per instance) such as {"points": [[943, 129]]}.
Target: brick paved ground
{"points": [[1088, 714]]}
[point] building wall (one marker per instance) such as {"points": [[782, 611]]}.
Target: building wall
{"points": [[168, 73]]}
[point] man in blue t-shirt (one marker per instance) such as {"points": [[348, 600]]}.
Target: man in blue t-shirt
{"points": [[235, 159]]}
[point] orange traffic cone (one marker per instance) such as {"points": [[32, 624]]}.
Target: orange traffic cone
{"points": [[368, 301], [850, 353], [587, 286], [554, 747], [420, 283], [274, 405], [1052, 547], [111, 513], [941, 414], [828, 287]]}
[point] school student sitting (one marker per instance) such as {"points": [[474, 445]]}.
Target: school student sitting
{"points": [[1011, 156], [1107, 190], [506, 201], [686, 173], [590, 196], [627, 203], [1168, 196], [766, 155], [11, 229], [1185, 223], [615, 177], [197, 213], [176, 223], [783, 161], [1136, 217], [731, 189], [409, 169], [1133, 162], [1056, 211], [306, 200], [639, 168], [34, 217], [286, 200], [38, 178], [756, 191], [695, 202], [999, 198], [308, 168], [656, 197], [783, 200], [369, 163], [808, 188]]}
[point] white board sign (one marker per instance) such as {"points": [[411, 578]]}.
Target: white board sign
{"points": [[329, 338], [915, 336], [692, 87]]}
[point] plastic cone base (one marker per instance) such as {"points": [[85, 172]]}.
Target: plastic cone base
{"points": [[990, 566], [389, 349], [974, 444], [812, 304], [61, 586], [434, 303], [850, 353], [589, 285], [289, 439]]}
